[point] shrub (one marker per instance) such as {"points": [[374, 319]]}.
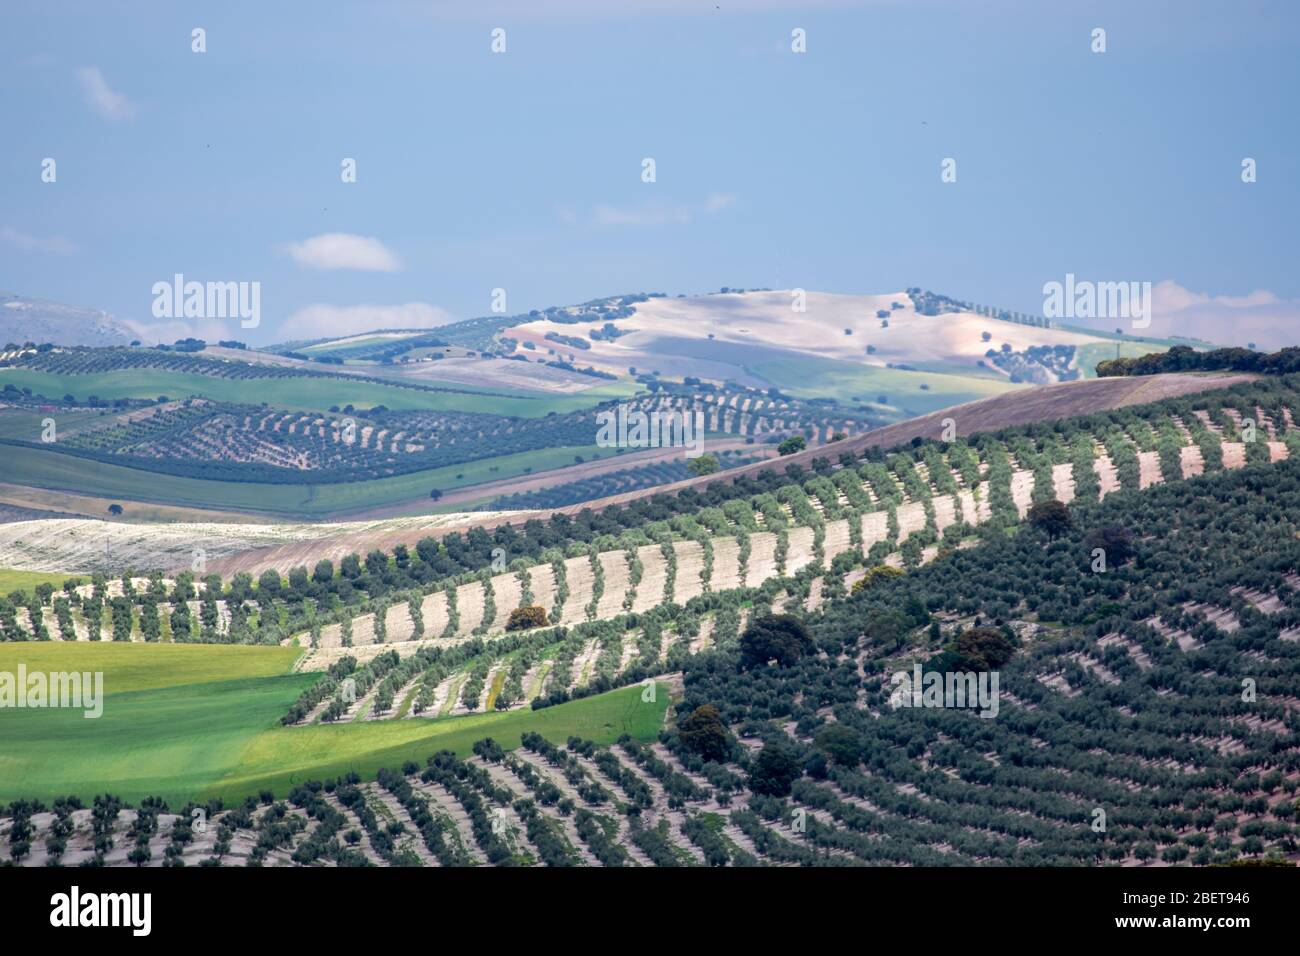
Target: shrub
{"points": [[704, 733], [528, 616], [1051, 516], [777, 636], [775, 769], [881, 572]]}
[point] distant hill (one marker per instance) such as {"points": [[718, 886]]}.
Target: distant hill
{"points": [[40, 320], [894, 355], [906, 353]]}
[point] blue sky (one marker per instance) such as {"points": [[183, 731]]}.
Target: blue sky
{"points": [[522, 170]]}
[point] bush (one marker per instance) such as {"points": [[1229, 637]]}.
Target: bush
{"points": [[777, 636], [792, 444], [881, 572], [704, 733], [526, 617], [775, 769], [984, 649], [704, 465], [1114, 541], [1052, 517], [840, 743]]}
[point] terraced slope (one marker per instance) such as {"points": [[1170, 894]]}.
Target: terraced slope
{"points": [[1146, 713], [540, 805], [826, 528], [900, 510], [1026, 406]]}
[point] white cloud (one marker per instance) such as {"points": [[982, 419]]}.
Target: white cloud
{"points": [[343, 250], [54, 244], [656, 213], [716, 202], [109, 104], [1260, 317], [646, 214], [168, 331], [322, 320]]}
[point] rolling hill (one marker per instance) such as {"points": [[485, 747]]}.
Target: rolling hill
{"points": [[24, 319], [848, 347], [500, 412], [1119, 690], [1020, 408]]}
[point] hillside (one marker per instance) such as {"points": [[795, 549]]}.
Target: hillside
{"points": [[1021, 408], [1119, 691], [898, 354], [38, 320], [500, 412], [1043, 404], [907, 351], [904, 508]]}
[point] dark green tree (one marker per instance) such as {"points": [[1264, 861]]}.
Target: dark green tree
{"points": [[778, 637], [774, 770], [1052, 517], [704, 733]]}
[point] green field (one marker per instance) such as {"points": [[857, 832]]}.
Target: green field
{"points": [[42, 468], [299, 393], [11, 580], [845, 381], [27, 425], [276, 759], [1088, 356], [193, 721]]}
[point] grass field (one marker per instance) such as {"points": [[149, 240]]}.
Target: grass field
{"points": [[12, 580], [1089, 355], [845, 381], [28, 425], [306, 393], [136, 667], [41, 468], [276, 759], [192, 721]]}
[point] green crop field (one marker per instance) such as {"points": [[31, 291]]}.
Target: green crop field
{"points": [[173, 716], [47, 469], [193, 721], [845, 381], [276, 759], [298, 393], [13, 580], [28, 425], [1089, 355]]}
